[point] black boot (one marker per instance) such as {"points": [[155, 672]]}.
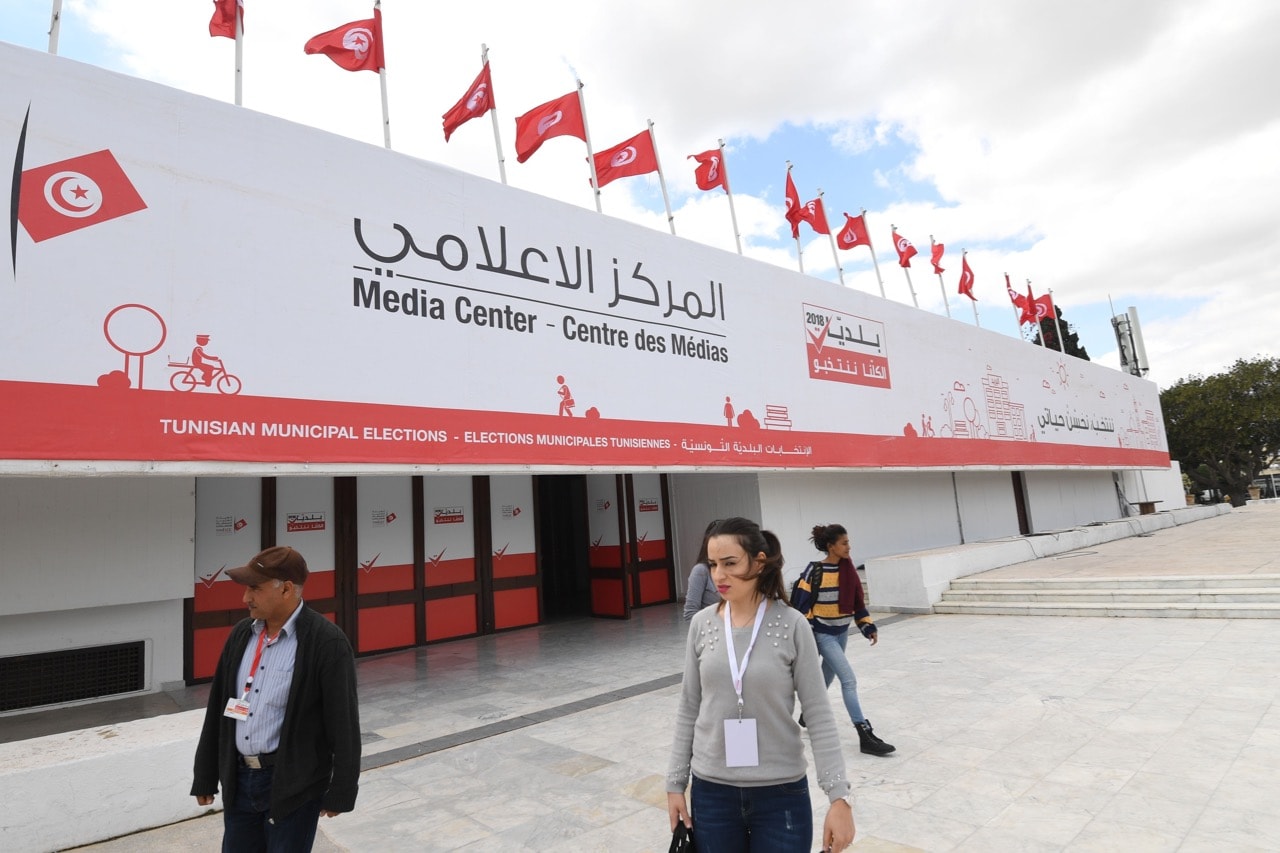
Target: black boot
{"points": [[871, 744]]}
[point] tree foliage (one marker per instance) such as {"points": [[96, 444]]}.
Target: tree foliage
{"points": [[1225, 428], [1048, 332]]}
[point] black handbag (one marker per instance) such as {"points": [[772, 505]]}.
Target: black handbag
{"points": [[681, 840]]}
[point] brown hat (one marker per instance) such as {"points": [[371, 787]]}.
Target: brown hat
{"points": [[277, 563]]}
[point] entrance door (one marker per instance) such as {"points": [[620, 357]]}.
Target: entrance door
{"points": [[650, 567], [382, 562], [562, 545], [630, 556], [607, 555]]}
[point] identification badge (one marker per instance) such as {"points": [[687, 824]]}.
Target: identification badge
{"points": [[237, 709], [740, 746]]}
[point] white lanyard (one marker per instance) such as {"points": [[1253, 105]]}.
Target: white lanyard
{"points": [[734, 670]]}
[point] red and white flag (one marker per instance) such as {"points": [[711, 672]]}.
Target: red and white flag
{"points": [[73, 194], [966, 280], [709, 172], [795, 212], [561, 117], [356, 46], [633, 157], [816, 215], [1015, 297], [906, 251], [854, 232], [935, 258], [223, 22], [1044, 307], [477, 101], [1036, 308]]}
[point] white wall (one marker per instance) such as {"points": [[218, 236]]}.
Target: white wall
{"points": [[698, 499], [1057, 500], [1163, 486], [89, 561], [988, 509]]}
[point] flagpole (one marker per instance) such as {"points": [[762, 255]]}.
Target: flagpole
{"points": [[973, 303], [1039, 329], [799, 251], [732, 213], [832, 238], [872, 247], [1057, 324], [906, 271], [1017, 317], [945, 304], [591, 157], [493, 114], [662, 182], [239, 56], [55, 25], [382, 79]]}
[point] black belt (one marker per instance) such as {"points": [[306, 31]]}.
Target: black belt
{"points": [[259, 762]]}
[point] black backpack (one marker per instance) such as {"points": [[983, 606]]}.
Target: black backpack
{"points": [[804, 592]]}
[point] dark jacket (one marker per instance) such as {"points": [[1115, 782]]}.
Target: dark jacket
{"points": [[319, 753]]}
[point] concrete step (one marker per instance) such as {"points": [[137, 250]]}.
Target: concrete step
{"points": [[1148, 582], [1241, 595], [1260, 610]]}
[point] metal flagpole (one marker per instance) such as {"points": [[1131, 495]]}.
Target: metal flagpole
{"points": [[239, 55], [799, 251], [1057, 324], [591, 157], [55, 24], [941, 286], [871, 246], [662, 182], [1017, 317], [832, 238], [732, 213], [1039, 328], [493, 114], [906, 271], [382, 79], [973, 303]]}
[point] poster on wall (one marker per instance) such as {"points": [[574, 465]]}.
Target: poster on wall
{"points": [[510, 329], [304, 508], [228, 531]]}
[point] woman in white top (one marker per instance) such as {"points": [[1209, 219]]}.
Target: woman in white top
{"points": [[746, 661]]}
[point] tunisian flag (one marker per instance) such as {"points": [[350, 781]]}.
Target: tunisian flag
{"points": [[561, 117], [477, 101], [906, 251], [854, 232], [816, 215], [709, 172], [356, 46], [966, 280], [795, 213], [73, 194], [935, 258], [633, 157], [1035, 308], [223, 22]]}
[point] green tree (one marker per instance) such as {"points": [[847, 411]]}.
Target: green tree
{"points": [[1048, 332], [1225, 428]]}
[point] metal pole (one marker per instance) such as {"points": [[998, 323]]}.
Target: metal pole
{"points": [[941, 286], [732, 213], [906, 271], [671, 220], [832, 238], [239, 57], [591, 157], [871, 246], [973, 303], [55, 25], [1057, 324], [493, 114]]}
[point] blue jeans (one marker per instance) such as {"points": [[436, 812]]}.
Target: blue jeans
{"points": [[247, 829], [836, 663], [769, 819]]}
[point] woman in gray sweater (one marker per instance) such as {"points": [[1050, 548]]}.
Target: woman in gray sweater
{"points": [[702, 590], [747, 659]]}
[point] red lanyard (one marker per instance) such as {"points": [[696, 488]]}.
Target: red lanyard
{"points": [[257, 658]]}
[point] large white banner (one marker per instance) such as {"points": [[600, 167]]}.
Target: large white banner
{"points": [[195, 281]]}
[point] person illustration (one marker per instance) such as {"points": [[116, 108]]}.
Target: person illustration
{"points": [[281, 732], [728, 411], [840, 603], [566, 398], [207, 363], [746, 662], [702, 590]]}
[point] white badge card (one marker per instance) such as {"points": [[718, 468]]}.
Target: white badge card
{"points": [[237, 709], [741, 748]]}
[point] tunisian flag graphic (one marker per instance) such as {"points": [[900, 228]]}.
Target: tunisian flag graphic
{"points": [[795, 212], [223, 22], [709, 172], [906, 251], [816, 215], [966, 279], [632, 157], [73, 194], [477, 101], [356, 46], [561, 117], [854, 232]]}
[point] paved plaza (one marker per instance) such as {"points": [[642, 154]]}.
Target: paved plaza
{"points": [[1014, 733]]}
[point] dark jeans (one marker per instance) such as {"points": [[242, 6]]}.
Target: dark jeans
{"points": [[770, 819], [247, 829]]}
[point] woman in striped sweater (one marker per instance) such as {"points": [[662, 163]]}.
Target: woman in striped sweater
{"points": [[840, 603]]}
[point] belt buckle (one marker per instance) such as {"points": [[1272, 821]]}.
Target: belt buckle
{"points": [[252, 762]]}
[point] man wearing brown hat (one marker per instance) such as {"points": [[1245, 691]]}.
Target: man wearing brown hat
{"points": [[282, 729]]}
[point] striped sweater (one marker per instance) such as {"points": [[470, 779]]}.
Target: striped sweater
{"points": [[826, 617]]}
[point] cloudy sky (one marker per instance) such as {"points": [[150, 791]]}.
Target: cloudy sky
{"points": [[1121, 152]]}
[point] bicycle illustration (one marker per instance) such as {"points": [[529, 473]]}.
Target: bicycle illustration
{"points": [[187, 377]]}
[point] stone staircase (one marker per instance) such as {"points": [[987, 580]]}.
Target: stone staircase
{"points": [[1203, 597]]}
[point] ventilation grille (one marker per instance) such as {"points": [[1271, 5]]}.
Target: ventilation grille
{"points": [[51, 678]]}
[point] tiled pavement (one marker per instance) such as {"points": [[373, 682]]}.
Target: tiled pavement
{"points": [[1013, 733]]}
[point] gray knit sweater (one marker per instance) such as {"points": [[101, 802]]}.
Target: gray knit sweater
{"points": [[783, 665]]}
